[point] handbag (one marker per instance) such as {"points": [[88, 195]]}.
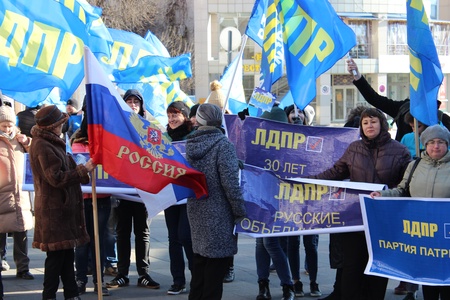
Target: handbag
{"points": [[416, 162]]}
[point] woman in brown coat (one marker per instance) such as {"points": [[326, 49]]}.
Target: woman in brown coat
{"points": [[59, 224]]}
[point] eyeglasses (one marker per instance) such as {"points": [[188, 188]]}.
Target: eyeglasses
{"points": [[436, 142]]}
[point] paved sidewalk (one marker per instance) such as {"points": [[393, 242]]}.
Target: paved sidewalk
{"points": [[244, 287]]}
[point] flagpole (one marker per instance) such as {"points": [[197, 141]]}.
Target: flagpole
{"points": [[94, 207], [244, 41], [96, 239], [416, 137]]}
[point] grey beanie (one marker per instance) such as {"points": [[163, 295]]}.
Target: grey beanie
{"points": [[435, 132], [209, 115]]}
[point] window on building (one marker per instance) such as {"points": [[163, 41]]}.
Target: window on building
{"points": [[397, 40], [441, 34], [433, 9], [362, 31]]}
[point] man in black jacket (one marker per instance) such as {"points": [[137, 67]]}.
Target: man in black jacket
{"points": [[395, 109]]}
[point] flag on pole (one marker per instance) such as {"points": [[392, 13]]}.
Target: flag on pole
{"points": [[235, 92], [41, 46], [265, 29], [130, 148], [315, 38], [145, 64], [425, 69]]}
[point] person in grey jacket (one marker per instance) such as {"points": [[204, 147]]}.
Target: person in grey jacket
{"points": [[212, 219], [431, 179]]}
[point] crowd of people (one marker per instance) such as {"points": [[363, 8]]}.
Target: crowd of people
{"points": [[200, 233]]}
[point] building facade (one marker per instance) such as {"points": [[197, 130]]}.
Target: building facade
{"points": [[381, 51]]}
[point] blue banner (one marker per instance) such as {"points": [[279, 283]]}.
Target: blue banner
{"points": [[408, 238], [262, 99], [425, 69], [278, 207], [291, 150]]}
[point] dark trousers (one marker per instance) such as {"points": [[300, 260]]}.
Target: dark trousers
{"points": [[355, 284], [132, 215], [1, 284], [433, 292], [20, 251], [83, 252], [179, 237], [59, 264], [207, 277]]}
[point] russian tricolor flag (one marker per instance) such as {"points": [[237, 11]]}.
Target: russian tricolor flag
{"points": [[130, 148]]}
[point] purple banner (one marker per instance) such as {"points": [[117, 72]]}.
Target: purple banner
{"points": [[289, 150], [280, 207]]}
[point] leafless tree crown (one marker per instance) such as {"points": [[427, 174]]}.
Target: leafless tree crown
{"points": [[167, 20]]}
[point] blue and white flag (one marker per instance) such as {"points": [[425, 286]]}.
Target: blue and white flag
{"points": [[425, 69], [233, 87], [41, 46]]}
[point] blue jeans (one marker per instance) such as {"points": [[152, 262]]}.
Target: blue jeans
{"points": [[179, 238], [270, 248], [83, 252], [291, 246]]}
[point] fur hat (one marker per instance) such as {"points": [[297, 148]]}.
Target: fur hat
{"points": [[180, 106], [435, 132], [50, 117], [75, 103], [7, 114], [209, 115]]}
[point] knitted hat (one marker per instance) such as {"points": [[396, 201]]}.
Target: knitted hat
{"points": [[435, 132], [7, 114], [75, 103], [180, 106], [50, 117], [276, 114], [309, 114], [209, 115]]}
